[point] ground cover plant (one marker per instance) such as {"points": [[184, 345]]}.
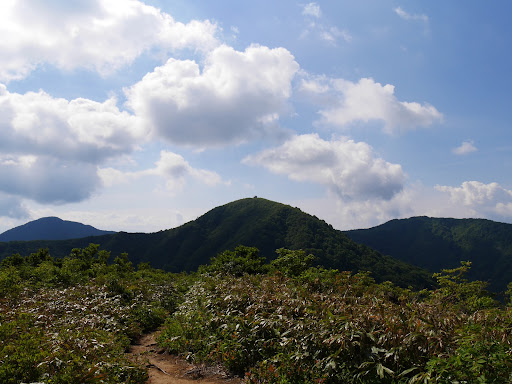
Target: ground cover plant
{"points": [[70, 320], [295, 324]]}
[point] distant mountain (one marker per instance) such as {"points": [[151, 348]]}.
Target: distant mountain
{"points": [[50, 228], [255, 222], [436, 243]]}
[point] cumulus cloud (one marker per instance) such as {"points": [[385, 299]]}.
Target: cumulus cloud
{"points": [[50, 147], [79, 130], [347, 168], [46, 179], [102, 35], [482, 199], [12, 206], [235, 97], [173, 168], [465, 148], [344, 102], [408, 16], [312, 9]]}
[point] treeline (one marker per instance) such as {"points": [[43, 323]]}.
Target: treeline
{"points": [[285, 321]]}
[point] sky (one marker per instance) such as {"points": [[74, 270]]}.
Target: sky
{"points": [[140, 116]]}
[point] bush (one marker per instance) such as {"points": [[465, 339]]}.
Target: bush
{"points": [[10, 283], [243, 260], [292, 263]]}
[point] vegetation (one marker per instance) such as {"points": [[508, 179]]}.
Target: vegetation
{"points": [[437, 243], [254, 222], [70, 320], [323, 326]]}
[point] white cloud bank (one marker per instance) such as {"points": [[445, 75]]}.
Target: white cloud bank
{"points": [[471, 200], [481, 198], [347, 168], [235, 97], [50, 147], [102, 35], [344, 102]]}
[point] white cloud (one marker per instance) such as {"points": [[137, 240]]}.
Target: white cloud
{"points": [[347, 168], [102, 35], [485, 200], [47, 179], [346, 214], [344, 102], [78, 130], [465, 148], [312, 9], [236, 96], [332, 35], [50, 147], [408, 16], [321, 29], [171, 167]]}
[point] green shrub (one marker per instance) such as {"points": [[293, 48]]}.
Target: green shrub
{"points": [[22, 348], [292, 263], [10, 282], [243, 260]]}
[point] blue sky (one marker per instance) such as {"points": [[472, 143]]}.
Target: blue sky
{"points": [[142, 115]]}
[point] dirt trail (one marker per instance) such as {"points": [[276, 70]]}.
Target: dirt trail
{"points": [[168, 369]]}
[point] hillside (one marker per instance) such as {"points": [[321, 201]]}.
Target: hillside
{"points": [[50, 228], [254, 222], [436, 243]]}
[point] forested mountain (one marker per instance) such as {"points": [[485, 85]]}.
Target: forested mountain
{"points": [[436, 243], [254, 222], [51, 228]]}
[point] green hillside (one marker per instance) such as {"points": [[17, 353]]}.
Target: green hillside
{"points": [[254, 222], [436, 243]]}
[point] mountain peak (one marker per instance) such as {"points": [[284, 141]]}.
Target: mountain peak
{"points": [[50, 228]]}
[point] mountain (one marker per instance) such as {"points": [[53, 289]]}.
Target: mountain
{"points": [[50, 228], [437, 243], [255, 222]]}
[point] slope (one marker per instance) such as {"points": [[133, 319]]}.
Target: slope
{"points": [[255, 222], [436, 243]]}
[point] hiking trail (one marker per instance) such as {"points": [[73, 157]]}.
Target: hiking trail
{"points": [[168, 369]]}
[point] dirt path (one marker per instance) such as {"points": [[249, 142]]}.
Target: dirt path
{"points": [[167, 369]]}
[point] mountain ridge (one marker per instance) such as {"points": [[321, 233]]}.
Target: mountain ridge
{"points": [[256, 222], [437, 243]]}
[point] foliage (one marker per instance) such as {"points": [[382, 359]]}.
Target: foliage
{"points": [[456, 291], [237, 263], [292, 263], [327, 326], [70, 320]]}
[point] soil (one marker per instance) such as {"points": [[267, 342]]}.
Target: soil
{"points": [[169, 369]]}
